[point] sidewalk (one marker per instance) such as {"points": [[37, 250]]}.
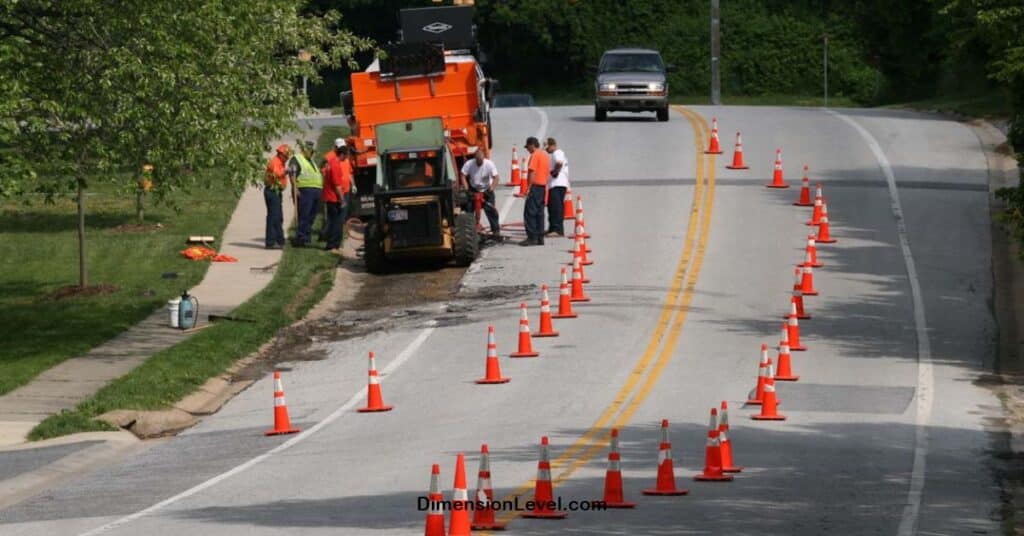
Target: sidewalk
{"points": [[225, 287]]}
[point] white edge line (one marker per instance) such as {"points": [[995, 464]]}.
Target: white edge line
{"points": [[404, 356], [925, 375]]}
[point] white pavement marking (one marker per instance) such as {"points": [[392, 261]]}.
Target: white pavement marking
{"points": [[343, 409], [542, 130], [925, 375]]}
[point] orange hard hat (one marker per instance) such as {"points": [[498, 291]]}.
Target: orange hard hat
{"points": [[283, 149]]}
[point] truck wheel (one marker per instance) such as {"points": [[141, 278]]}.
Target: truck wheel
{"points": [[663, 114], [467, 241], [373, 251], [599, 114]]}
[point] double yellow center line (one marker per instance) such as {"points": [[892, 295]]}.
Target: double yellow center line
{"points": [[667, 330]]}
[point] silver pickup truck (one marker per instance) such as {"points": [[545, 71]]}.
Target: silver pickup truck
{"points": [[631, 80]]}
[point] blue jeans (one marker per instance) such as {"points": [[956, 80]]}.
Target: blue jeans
{"points": [[335, 222], [533, 213], [556, 209], [274, 234], [309, 201]]}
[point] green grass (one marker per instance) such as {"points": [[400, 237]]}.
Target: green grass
{"points": [[992, 104], [302, 278], [39, 255]]}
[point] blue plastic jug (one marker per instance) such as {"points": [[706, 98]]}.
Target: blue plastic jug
{"points": [[188, 311]]}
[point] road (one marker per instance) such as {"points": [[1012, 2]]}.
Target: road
{"points": [[886, 429]]}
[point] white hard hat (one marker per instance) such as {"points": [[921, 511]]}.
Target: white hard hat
{"points": [[339, 142]]}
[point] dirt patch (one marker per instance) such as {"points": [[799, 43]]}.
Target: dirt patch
{"points": [[75, 291], [137, 228]]}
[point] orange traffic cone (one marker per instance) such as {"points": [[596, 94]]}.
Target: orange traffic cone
{"points": [[769, 409], [459, 524], [823, 230], [435, 504], [374, 397], [484, 518], [579, 248], [515, 177], [807, 282], [798, 297], [819, 201], [581, 227], [713, 454], [564, 301], [666, 482], [613, 494], [525, 342], [493, 370], [737, 155], [785, 373], [777, 180], [544, 492], [567, 208], [805, 192], [713, 146], [524, 179], [282, 424], [811, 253], [725, 440], [583, 275], [577, 283], [793, 333], [579, 206], [756, 395], [546, 329]]}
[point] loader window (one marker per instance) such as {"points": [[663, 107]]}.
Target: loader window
{"points": [[413, 173]]}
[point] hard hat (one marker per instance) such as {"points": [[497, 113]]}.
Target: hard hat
{"points": [[283, 148], [339, 142]]}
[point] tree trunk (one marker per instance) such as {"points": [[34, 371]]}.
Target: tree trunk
{"points": [[140, 211], [83, 273]]}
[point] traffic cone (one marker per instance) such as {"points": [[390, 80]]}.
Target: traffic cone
{"points": [[282, 424], [493, 371], [577, 283], [811, 253], [579, 249], [769, 409], [374, 397], [484, 518], [525, 342], [777, 180], [823, 230], [581, 227], [785, 372], [524, 179], [737, 155], [579, 206], [756, 395], [564, 301], [713, 146], [666, 482], [544, 492], [819, 201], [713, 454], [567, 208], [435, 506], [613, 494], [798, 297], [807, 282], [725, 440], [515, 177], [546, 329], [583, 275], [805, 192], [459, 524], [793, 332]]}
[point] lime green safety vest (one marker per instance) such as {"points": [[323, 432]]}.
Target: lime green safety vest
{"points": [[309, 176]]}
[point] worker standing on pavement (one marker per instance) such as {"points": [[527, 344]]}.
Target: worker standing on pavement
{"points": [[558, 183], [538, 170], [337, 184], [479, 175], [308, 180], [273, 193]]}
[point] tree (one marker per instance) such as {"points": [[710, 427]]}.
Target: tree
{"points": [[100, 89]]}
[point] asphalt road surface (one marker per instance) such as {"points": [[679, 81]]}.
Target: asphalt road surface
{"points": [[886, 429]]}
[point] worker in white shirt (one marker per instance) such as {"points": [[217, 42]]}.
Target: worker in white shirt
{"points": [[479, 175], [557, 186]]}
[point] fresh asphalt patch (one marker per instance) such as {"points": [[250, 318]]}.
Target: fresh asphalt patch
{"points": [[816, 397]]}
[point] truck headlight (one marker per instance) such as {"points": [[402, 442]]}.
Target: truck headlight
{"points": [[606, 86], [656, 86]]}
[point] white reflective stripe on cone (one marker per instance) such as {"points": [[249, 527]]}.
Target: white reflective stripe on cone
{"points": [[460, 494], [279, 401], [664, 454]]}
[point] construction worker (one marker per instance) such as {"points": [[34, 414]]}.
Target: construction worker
{"points": [[537, 173], [337, 185], [308, 180], [558, 183], [273, 192], [479, 175]]}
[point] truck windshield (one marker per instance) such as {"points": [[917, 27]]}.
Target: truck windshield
{"points": [[632, 63]]}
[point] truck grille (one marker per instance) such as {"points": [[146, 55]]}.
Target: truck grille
{"points": [[423, 228], [632, 89]]}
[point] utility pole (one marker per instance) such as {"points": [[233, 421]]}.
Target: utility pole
{"points": [[825, 64], [716, 50]]}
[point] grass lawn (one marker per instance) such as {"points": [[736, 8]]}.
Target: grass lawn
{"points": [[302, 278], [39, 255], [992, 104]]}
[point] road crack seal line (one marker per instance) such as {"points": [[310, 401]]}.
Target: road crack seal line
{"points": [[924, 394], [676, 304]]}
